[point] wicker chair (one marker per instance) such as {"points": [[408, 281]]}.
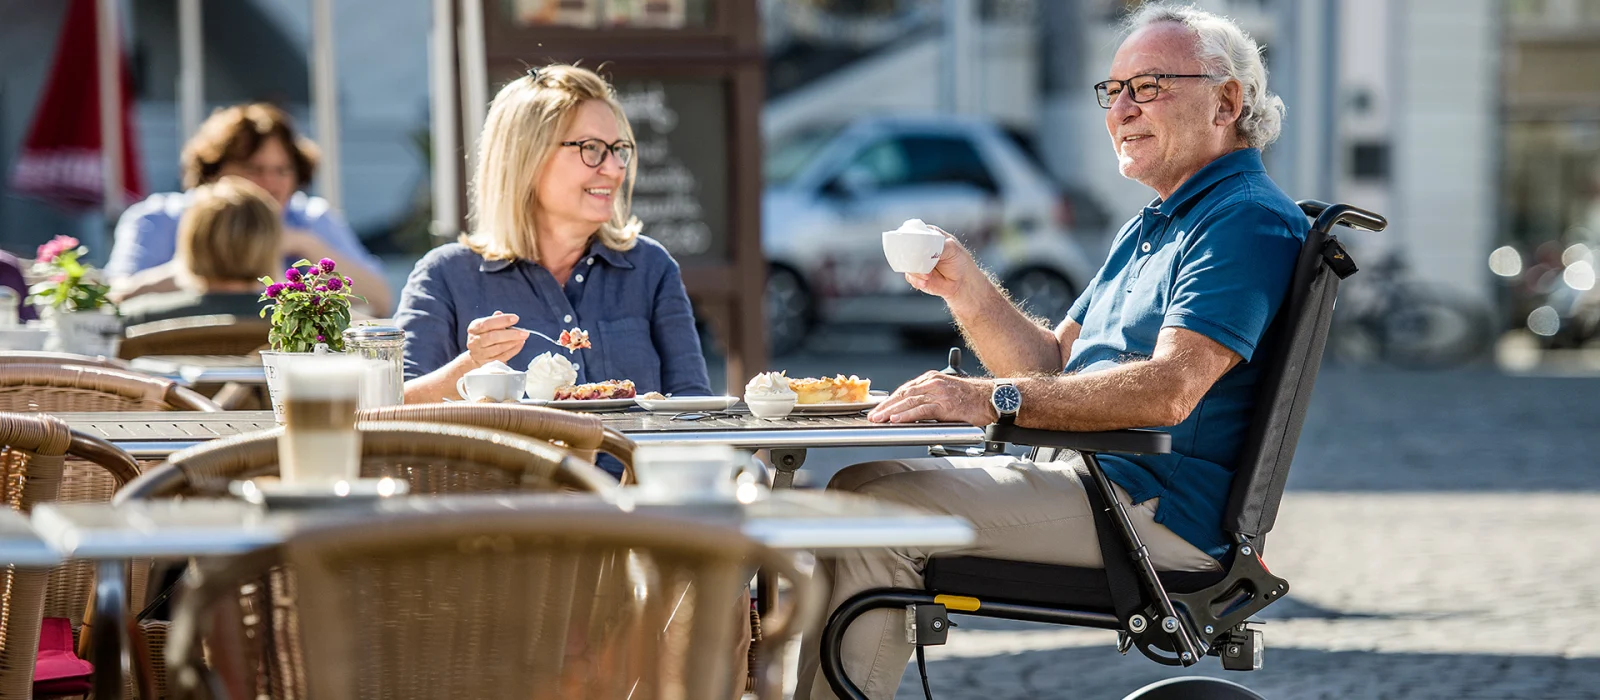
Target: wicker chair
{"points": [[432, 458], [492, 604], [30, 357], [581, 433], [195, 335], [63, 388], [34, 450]]}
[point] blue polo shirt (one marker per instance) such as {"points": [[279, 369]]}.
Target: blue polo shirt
{"points": [[1214, 258]]}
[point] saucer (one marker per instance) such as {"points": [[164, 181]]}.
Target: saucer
{"points": [[273, 493]]}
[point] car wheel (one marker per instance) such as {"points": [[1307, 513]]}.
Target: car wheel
{"points": [[1042, 293], [790, 309]]}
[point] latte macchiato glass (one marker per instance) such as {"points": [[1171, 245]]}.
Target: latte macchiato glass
{"points": [[320, 444]]}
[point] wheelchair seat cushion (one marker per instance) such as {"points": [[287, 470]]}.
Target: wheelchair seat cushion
{"points": [[1049, 585]]}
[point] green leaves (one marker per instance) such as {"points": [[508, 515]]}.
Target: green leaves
{"points": [[306, 312], [70, 285]]}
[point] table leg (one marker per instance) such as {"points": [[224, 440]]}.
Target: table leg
{"points": [[787, 462], [111, 598]]}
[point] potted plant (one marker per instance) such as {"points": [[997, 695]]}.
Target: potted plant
{"points": [[309, 311], [73, 302]]}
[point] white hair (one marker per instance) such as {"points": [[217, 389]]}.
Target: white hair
{"points": [[1228, 53]]}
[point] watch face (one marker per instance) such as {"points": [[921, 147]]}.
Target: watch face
{"points": [[1007, 399]]}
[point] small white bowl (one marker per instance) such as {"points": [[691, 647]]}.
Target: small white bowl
{"points": [[771, 407], [912, 251]]}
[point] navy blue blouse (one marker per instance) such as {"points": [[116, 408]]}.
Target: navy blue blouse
{"points": [[632, 303]]}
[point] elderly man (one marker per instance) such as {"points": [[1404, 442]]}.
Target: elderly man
{"points": [[1162, 337]]}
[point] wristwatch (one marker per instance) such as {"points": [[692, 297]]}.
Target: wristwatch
{"points": [[1006, 399]]}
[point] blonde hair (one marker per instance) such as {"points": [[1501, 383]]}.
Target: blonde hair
{"points": [[230, 231], [523, 129]]}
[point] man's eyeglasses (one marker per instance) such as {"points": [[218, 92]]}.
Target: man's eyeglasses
{"points": [[1145, 87], [593, 151]]}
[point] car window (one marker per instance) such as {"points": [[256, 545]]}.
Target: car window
{"points": [[946, 159], [884, 163], [790, 156]]}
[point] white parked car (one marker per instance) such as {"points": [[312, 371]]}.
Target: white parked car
{"points": [[831, 191]]}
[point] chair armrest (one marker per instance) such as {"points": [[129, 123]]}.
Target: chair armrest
{"points": [[1138, 441]]}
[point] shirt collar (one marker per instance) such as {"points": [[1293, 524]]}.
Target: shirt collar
{"points": [[1244, 160], [596, 249]]}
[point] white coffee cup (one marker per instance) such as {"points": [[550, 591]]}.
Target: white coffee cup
{"points": [[679, 471], [494, 386], [913, 248]]}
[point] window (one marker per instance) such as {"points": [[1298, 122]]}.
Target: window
{"points": [[907, 161]]}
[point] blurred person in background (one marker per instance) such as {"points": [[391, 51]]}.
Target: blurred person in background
{"points": [[553, 247], [229, 237], [1163, 337], [258, 143], [11, 276]]}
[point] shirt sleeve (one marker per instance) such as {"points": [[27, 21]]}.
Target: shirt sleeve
{"points": [[329, 226], [428, 316], [683, 365], [1233, 277], [144, 238]]}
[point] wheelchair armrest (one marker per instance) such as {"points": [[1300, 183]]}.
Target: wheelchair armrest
{"points": [[1124, 441]]}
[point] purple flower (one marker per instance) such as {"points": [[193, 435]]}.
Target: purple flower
{"points": [[292, 274], [321, 338], [348, 283], [298, 286], [316, 301], [322, 287], [273, 290], [326, 264], [334, 285]]}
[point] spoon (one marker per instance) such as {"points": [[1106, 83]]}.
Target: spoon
{"points": [[546, 337]]}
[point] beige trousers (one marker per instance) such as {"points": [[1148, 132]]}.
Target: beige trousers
{"points": [[1019, 510]]}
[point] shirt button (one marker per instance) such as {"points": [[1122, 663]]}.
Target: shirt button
{"points": [[576, 367], [567, 318], [590, 261], [578, 277], [1145, 247]]}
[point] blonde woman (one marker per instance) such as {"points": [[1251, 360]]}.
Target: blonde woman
{"points": [[229, 236], [553, 247]]}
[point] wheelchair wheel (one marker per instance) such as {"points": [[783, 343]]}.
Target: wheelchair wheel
{"points": [[1194, 688]]}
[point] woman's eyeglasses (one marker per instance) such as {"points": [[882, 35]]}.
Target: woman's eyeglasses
{"points": [[1145, 87], [593, 151]]}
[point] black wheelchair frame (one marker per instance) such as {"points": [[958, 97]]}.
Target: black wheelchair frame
{"points": [[1174, 618]]}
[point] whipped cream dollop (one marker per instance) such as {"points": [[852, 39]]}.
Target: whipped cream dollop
{"points": [[916, 226], [553, 370], [494, 367], [774, 384]]}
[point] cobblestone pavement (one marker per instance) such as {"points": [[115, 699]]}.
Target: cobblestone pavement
{"points": [[1439, 536]]}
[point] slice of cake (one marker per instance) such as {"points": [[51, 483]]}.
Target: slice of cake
{"points": [[836, 389]]}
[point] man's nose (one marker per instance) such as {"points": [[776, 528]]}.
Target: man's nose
{"points": [[1123, 107]]}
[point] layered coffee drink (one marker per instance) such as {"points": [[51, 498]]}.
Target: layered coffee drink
{"points": [[320, 444]]}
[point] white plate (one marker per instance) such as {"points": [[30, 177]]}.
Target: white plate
{"points": [[584, 405], [838, 408], [274, 493], [680, 404]]}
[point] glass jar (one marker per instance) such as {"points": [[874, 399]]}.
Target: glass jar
{"points": [[383, 384]]}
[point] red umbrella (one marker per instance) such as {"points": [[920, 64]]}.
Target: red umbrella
{"points": [[60, 161]]}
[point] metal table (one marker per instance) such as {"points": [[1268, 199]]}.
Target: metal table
{"points": [[21, 546], [204, 369], [164, 529], [154, 435]]}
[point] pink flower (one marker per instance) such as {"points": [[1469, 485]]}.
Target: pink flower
{"points": [[58, 245], [334, 285], [297, 286], [59, 278], [274, 290], [326, 264]]}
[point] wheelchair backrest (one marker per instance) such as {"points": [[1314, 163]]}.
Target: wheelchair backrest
{"points": [[1292, 355]]}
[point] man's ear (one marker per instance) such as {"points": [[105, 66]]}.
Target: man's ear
{"points": [[1230, 103]]}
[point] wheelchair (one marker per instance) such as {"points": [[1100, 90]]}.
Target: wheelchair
{"points": [[1174, 618]]}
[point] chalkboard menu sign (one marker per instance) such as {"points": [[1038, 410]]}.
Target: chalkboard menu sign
{"points": [[681, 190]]}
